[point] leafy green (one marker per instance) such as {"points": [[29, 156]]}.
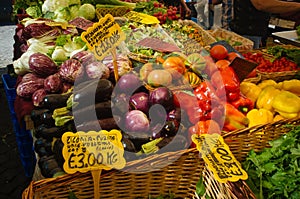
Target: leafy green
{"points": [[291, 53], [275, 172]]}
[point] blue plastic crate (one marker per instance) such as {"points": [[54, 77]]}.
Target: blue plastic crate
{"points": [[10, 91], [29, 164], [25, 148]]}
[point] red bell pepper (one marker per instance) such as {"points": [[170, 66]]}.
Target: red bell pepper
{"points": [[226, 83], [204, 127], [243, 104]]}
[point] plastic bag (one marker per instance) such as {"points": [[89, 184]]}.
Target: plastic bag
{"points": [[202, 13]]}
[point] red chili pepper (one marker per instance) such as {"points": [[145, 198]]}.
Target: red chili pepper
{"points": [[234, 119]]}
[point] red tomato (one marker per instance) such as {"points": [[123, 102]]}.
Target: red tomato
{"points": [[218, 52]]}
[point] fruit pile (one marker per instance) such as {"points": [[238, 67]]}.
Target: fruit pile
{"points": [[171, 14]]}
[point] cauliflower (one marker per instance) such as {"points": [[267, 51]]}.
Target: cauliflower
{"points": [[52, 5], [87, 11]]}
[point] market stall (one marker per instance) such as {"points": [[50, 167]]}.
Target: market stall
{"points": [[128, 100]]}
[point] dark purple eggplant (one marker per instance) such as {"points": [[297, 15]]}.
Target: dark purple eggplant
{"points": [[98, 111], [101, 91], [97, 125], [53, 101], [56, 131]]}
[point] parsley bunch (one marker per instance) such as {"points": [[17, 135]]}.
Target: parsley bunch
{"points": [[275, 172]]}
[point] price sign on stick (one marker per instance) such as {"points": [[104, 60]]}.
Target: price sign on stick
{"points": [[93, 151], [103, 37], [217, 155], [141, 18]]}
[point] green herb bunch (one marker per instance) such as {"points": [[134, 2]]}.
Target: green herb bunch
{"points": [[275, 172]]}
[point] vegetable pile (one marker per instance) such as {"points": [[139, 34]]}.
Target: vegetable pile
{"points": [[274, 172]]}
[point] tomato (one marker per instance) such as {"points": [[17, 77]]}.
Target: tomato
{"points": [[218, 52], [222, 63], [232, 55]]}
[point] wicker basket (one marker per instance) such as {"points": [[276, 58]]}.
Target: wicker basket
{"points": [[206, 38], [180, 177], [277, 76], [232, 38], [257, 137]]}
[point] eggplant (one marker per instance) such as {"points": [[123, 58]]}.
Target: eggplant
{"points": [[101, 90], [97, 125], [43, 147], [56, 131], [102, 109], [36, 116], [48, 166], [57, 151], [54, 101]]}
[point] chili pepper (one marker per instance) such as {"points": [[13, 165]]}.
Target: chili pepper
{"points": [[234, 119], [243, 104], [204, 127], [226, 78]]}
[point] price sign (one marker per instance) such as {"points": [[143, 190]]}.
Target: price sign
{"points": [[92, 150], [219, 158], [103, 36], [141, 18]]}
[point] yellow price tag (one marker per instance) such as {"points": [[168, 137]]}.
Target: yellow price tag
{"points": [[141, 18], [218, 157], [87, 151], [103, 36]]}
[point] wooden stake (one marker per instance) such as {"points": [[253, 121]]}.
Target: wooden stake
{"points": [[96, 178], [114, 56]]}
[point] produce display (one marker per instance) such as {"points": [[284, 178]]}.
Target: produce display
{"points": [[157, 104]]}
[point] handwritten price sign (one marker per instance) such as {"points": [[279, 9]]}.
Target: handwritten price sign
{"points": [[103, 36], [219, 158], [141, 18], [92, 150]]}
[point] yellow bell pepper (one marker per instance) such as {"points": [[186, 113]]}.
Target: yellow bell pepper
{"points": [[292, 85], [250, 90], [278, 117], [266, 96], [287, 104], [259, 116], [267, 82]]}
